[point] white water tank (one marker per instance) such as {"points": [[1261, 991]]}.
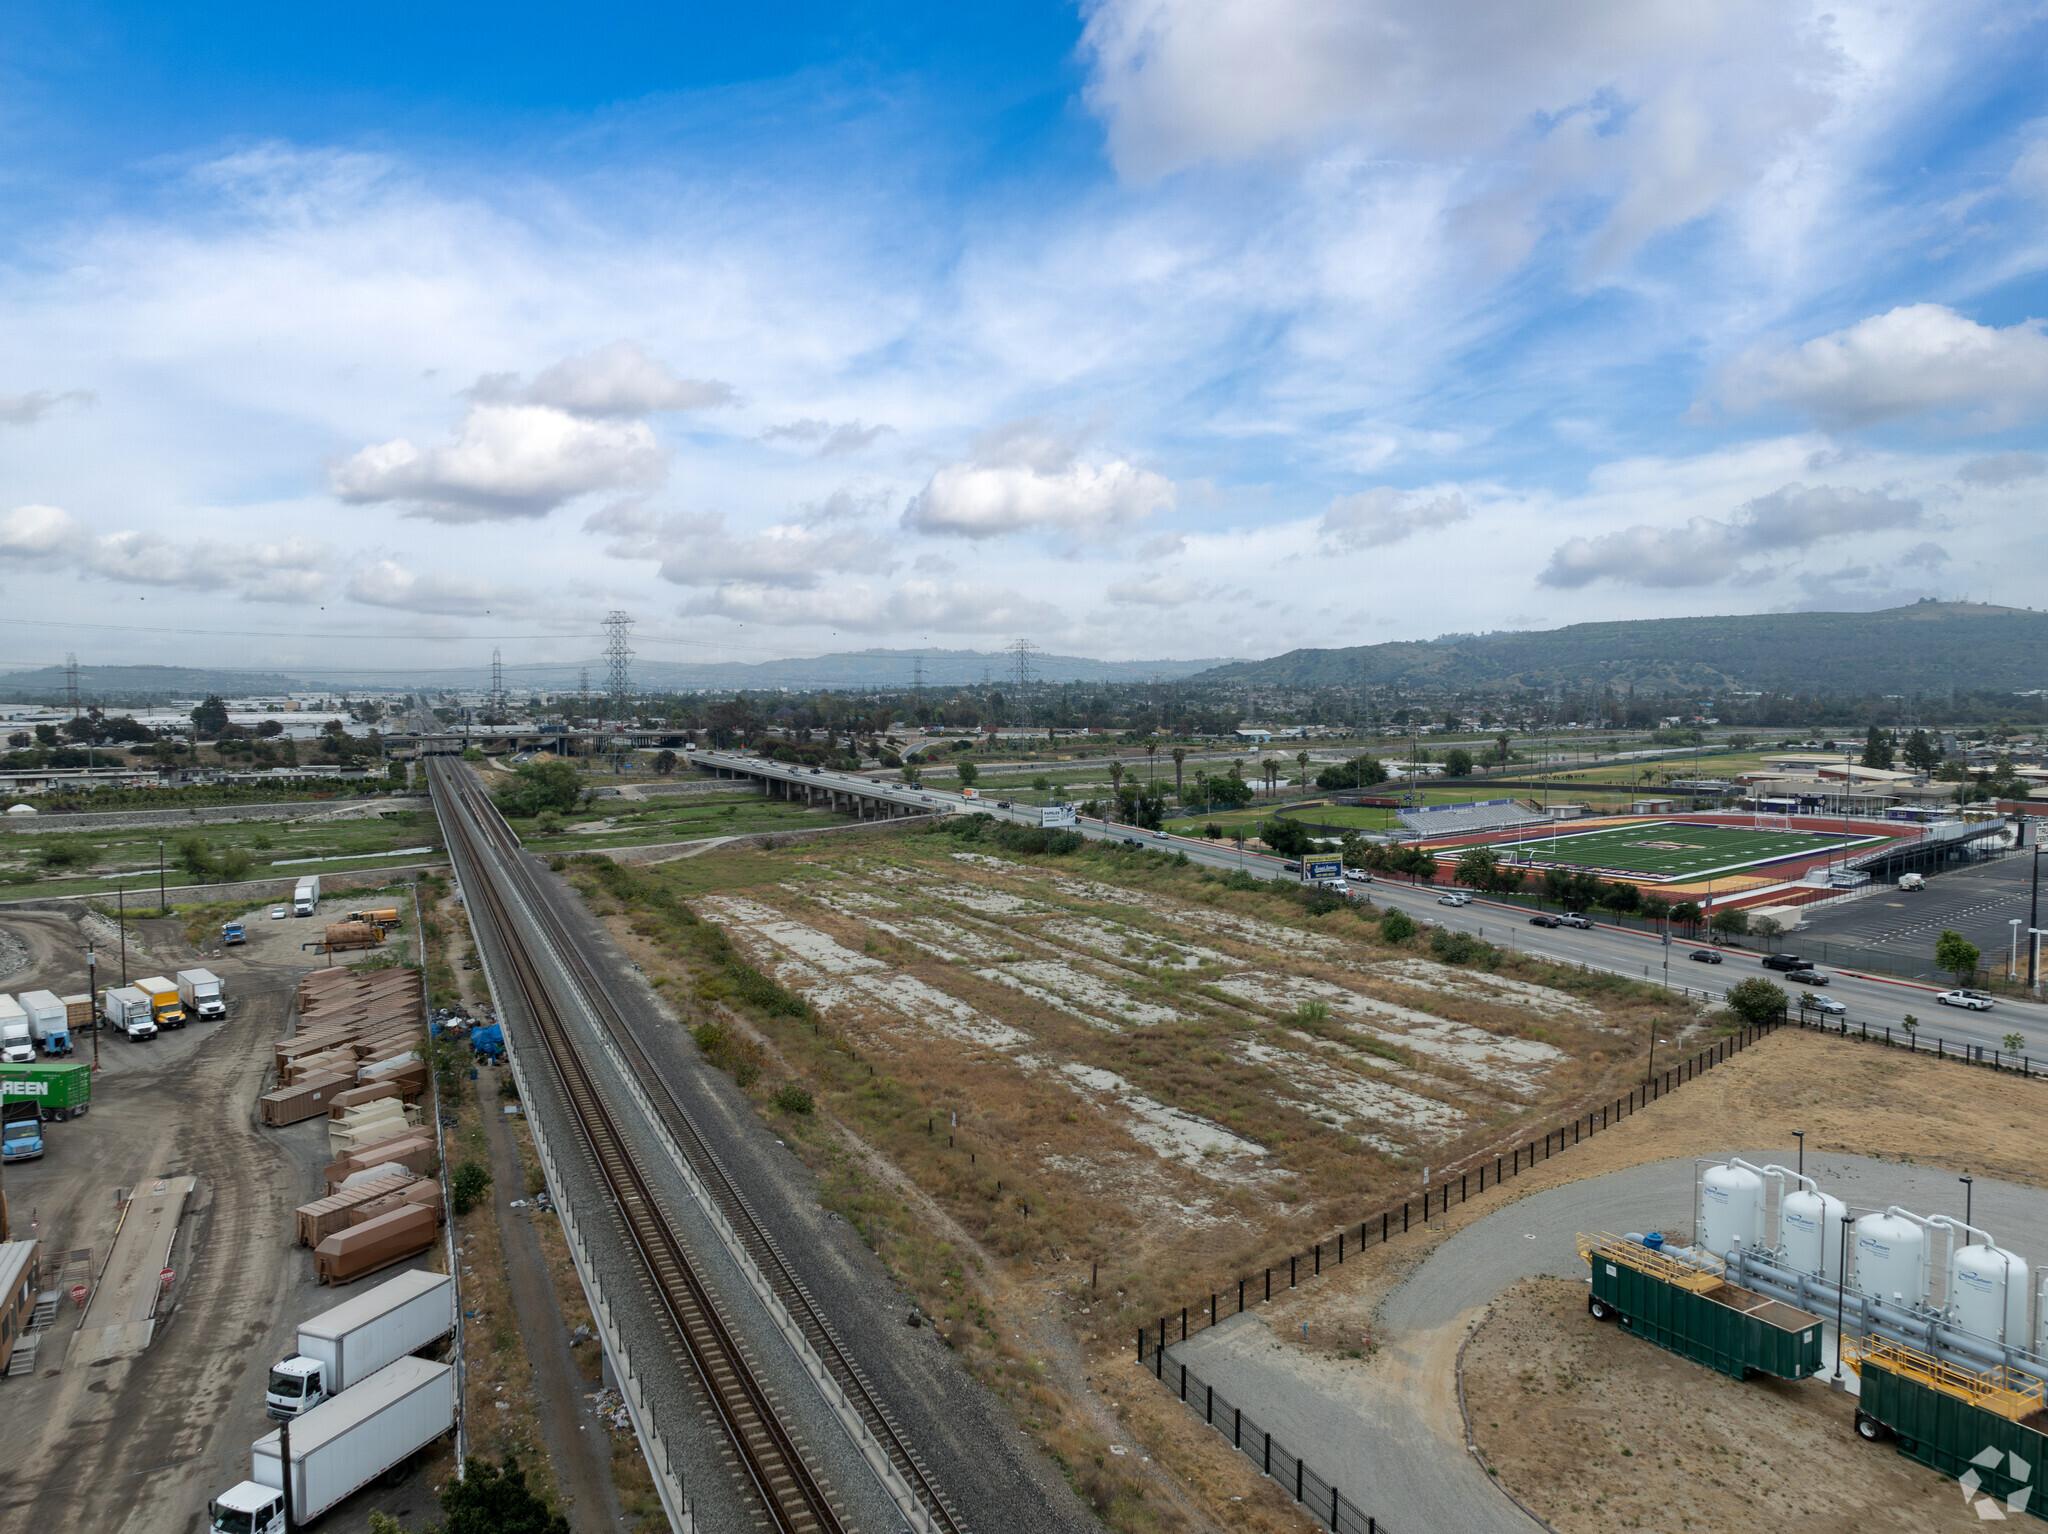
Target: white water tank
{"points": [[1891, 1255], [1731, 1209], [1988, 1287], [1810, 1231]]}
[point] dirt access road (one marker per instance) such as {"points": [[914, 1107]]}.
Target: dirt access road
{"points": [[138, 1444]]}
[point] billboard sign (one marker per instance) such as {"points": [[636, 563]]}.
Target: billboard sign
{"points": [[1322, 868], [1051, 815]]}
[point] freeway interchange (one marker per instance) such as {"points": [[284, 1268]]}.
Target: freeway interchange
{"points": [[1872, 1002]]}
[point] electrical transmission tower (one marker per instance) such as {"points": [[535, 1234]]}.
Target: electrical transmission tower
{"points": [[1020, 662], [582, 695], [71, 684], [917, 682], [497, 707], [618, 659]]}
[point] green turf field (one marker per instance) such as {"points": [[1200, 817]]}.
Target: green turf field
{"points": [[1670, 850]]}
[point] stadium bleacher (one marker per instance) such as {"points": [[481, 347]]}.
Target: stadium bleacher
{"points": [[1458, 819]]}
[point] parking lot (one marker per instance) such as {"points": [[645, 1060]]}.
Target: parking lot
{"points": [[1977, 900]]}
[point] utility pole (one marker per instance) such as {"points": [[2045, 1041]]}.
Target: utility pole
{"points": [[2034, 914]]}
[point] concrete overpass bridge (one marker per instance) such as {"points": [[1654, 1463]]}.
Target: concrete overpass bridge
{"points": [[848, 793]]}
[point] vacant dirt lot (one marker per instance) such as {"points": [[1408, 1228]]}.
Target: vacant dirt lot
{"points": [[1596, 1429]]}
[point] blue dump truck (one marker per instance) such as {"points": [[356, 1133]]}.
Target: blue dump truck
{"points": [[231, 933], [1697, 1313]]}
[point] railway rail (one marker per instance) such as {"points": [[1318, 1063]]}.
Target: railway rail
{"points": [[790, 1492], [710, 1170]]}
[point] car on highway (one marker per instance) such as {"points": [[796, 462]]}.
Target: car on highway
{"points": [[1293, 868], [1454, 900], [1704, 956], [1544, 921], [1786, 962], [1132, 841], [1810, 977], [1358, 875], [1002, 804], [1826, 1004], [1575, 919], [1976, 1001]]}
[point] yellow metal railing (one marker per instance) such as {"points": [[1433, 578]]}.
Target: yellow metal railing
{"points": [[1683, 1274], [2011, 1395]]}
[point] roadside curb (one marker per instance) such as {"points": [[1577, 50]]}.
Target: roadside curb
{"points": [[1471, 1443]]}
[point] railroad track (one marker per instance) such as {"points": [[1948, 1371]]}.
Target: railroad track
{"points": [[711, 1172], [790, 1493]]}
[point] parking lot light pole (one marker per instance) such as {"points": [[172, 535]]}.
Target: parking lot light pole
{"points": [[2034, 922], [2012, 968]]}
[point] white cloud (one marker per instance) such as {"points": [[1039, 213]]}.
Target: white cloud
{"points": [[27, 409], [1912, 359], [1374, 518], [506, 461], [1022, 477], [2029, 174], [2003, 469], [1158, 589], [387, 583], [697, 549], [914, 606], [827, 440], [1706, 550], [50, 538], [615, 381]]}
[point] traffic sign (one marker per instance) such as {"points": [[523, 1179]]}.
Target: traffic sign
{"points": [[166, 1276]]}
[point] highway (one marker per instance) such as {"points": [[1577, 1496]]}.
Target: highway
{"points": [[1872, 1002]]}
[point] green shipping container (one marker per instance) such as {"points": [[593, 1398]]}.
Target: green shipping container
{"points": [[61, 1088], [1948, 1432], [1699, 1315]]}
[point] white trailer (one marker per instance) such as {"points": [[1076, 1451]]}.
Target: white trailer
{"points": [[16, 1047], [49, 1021], [339, 1448], [200, 990], [306, 897], [340, 1348], [129, 1010]]}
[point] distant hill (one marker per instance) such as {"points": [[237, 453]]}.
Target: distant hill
{"points": [[1926, 647], [123, 685]]}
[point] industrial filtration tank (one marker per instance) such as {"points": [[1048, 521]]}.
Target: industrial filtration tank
{"points": [[1731, 1209], [1987, 1285], [1891, 1258], [1810, 1231]]}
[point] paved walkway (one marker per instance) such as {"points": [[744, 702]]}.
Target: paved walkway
{"points": [[1390, 1436]]}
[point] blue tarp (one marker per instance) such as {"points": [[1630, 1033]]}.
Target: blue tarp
{"points": [[488, 1040]]}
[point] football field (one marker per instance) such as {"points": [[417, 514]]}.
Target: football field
{"points": [[1668, 851]]}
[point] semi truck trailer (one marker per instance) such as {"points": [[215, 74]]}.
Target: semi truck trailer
{"points": [[200, 991], [61, 1088], [340, 1348], [340, 1447], [49, 1023]]}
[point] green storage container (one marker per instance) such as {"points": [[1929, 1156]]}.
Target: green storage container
{"points": [[1699, 1315], [1944, 1417], [61, 1088]]}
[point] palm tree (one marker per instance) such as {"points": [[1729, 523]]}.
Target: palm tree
{"points": [[1151, 755], [1302, 757], [1116, 780], [1501, 740], [1180, 754]]}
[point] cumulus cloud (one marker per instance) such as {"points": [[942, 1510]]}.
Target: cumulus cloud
{"points": [[698, 549], [911, 607], [1661, 109], [2003, 469], [1022, 477], [1910, 360], [827, 440], [614, 382], [507, 461], [1374, 518], [387, 583], [51, 539], [1706, 550], [27, 409]]}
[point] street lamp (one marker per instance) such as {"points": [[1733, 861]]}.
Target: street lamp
{"points": [[2012, 968], [1969, 1190], [1800, 1136], [2034, 962]]}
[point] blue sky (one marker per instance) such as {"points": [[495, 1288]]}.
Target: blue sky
{"points": [[1145, 328]]}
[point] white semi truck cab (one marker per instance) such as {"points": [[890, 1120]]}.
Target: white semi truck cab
{"points": [[247, 1508], [200, 991]]}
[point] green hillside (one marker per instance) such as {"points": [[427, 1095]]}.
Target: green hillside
{"points": [[1927, 647]]}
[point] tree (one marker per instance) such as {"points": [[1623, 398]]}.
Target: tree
{"points": [[1458, 762], [911, 773], [466, 1187], [1230, 790], [211, 716], [1620, 895], [1956, 954], [968, 774], [1478, 867], [1116, 777], [1180, 754], [548, 784], [1301, 759], [1767, 927], [1686, 913], [1501, 743], [1730, 922], [1756, 1001], [495, 1500], [665, 763], [1877, 749], [1921, 753], [1397, 926], [1287, 837]]}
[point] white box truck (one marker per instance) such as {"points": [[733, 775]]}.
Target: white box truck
{"points": [[306, 897], [16, 1047], [340, 1348], [200, 990], [339, 1448], [49, 1021], [129, 1010]]}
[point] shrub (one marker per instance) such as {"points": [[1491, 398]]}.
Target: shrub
{"points": [[1397, 926], [467, 1186], [791, 1098], [1756, 1001], [494, 1500], [1462, 948]]}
